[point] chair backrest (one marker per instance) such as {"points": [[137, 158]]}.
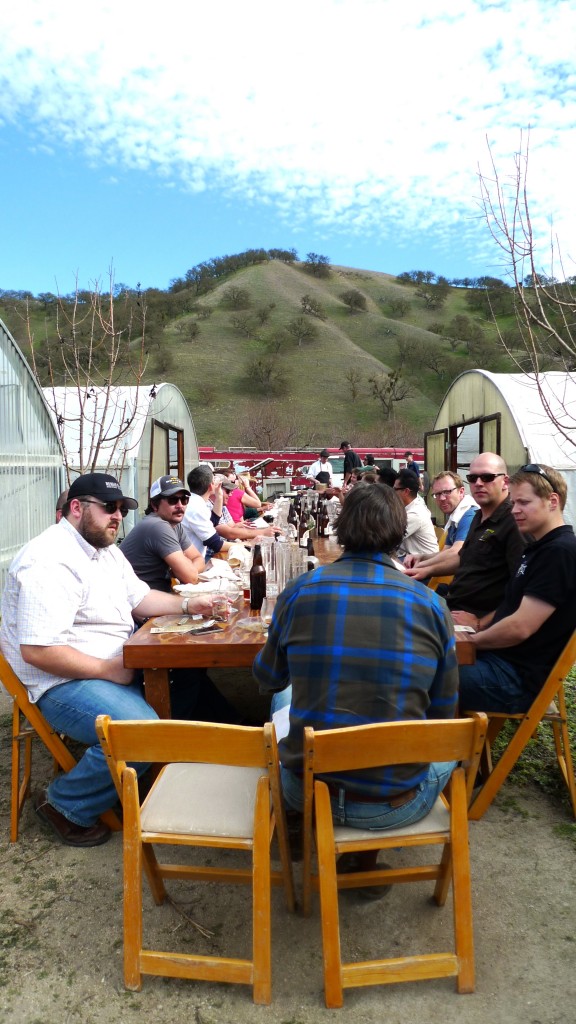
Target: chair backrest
{"points": [[528, 723], [372, 746], [34, 716], [562, 666], [14, 686], [169, 741]]}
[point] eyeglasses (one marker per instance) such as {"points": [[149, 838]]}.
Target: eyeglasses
{"points": [[444, 494], [174, 499], [486, 478], [110, 507], [533, 468]]}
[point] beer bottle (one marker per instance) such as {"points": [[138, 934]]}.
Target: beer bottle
{"points": [[257, 580], [320, 518], [303, 531]]}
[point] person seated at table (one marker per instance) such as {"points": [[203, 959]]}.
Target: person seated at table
{"points": [[450, 495], [387, 475], [336, 654], [200, 521], [518, 643], [491, 552], [420, 537], [226, 527], [61, 501], [68, 607], [243, 497], [157, 547]]}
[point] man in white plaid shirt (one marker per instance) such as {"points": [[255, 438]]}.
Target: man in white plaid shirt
{"points": [[67, 610]]}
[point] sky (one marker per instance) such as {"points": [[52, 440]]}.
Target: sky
{"points": [[143, 139]]}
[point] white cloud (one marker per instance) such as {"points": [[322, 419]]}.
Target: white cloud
{"points": [[369, 115]]}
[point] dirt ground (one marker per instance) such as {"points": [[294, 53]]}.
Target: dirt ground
{"points": [[61, 928]]}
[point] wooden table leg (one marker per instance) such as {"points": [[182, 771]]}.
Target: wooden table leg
{"points": [[157, 690]]}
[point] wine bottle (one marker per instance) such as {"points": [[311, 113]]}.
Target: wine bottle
{"points": [[257, 580]]}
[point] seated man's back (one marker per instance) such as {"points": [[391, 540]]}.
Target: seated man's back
{"points": [[360, 643]]}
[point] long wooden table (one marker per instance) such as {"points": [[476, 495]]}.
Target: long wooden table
{"points": [[231, 647]]}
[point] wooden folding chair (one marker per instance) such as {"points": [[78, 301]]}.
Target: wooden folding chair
{"points": [[435, 581], [219, 788], [549, 706], [28, 721], [446, 825]]}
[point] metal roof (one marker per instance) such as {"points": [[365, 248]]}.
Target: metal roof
{"points": [[106, 412], [528, 406]]}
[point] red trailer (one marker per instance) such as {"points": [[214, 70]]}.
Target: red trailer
{"points": [[283, 470]]}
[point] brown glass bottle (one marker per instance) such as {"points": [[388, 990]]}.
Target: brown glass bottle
{"points": [[303, 531], [320, 518], [257, 580]]}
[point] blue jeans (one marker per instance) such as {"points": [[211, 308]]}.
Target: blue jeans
{"points": [[364, 814], [83, 793], [492, 684]]}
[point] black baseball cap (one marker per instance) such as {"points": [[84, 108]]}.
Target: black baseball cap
{"points": [[345, 444], [100, 486], [167, 485]]}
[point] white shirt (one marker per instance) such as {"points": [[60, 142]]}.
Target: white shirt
{"points": [[198, 525], [320, 467], [420, 537], [63, 592]]}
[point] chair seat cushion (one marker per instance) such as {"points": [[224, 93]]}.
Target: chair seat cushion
{"points": [[205, 799], [438, 820]]}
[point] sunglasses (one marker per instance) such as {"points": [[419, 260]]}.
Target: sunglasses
{"points": [[176, 499], [110, 507], [533, 468], [444, 494], [486, 478]]}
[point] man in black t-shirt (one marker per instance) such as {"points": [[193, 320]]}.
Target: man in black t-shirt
{"points": [[493, 547], [352, 461], [519, 642]]}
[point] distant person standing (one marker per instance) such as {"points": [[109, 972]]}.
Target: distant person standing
{"points": [[352, 461], [321, 470], [411, 465]]}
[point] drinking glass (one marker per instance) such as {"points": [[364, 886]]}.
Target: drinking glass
{"points": [[267, 610]]}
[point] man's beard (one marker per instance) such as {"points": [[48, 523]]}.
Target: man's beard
{"points": [[97, 536]]}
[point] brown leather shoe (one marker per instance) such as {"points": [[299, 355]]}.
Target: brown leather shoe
{"points": [[67, 831]]}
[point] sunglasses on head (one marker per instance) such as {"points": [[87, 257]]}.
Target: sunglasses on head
{"points": [[174, 499], [533, 468], [110, 507], [486, 478]]}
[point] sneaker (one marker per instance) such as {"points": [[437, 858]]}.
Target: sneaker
{"points": [[349, 863]]}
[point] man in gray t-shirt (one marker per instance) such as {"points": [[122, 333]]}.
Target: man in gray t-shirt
{"points": [[157, 547]]}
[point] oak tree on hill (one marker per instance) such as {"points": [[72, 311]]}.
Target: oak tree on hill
{"points": [[312, 306], [317, 265], [354, 299], [302, 329], [388, 389]]}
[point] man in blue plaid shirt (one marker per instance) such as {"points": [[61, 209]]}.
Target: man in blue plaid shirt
{"points": [[358, 642]]}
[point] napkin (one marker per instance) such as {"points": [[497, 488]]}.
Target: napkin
{"points": [[238, 556]]}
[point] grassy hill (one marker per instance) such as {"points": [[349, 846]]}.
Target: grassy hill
{"points": [[236, 355]]}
